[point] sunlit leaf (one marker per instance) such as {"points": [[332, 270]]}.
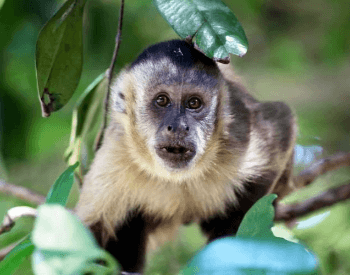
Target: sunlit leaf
{"points": [[17, 255], [216, 29], [86, 122], [252, 256], [258, 221], [255, 250], [64, 246], [59, 192], [53, 221], [2, 3], [59, 56], [77, 263]]}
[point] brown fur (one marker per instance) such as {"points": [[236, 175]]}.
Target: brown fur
{"points": [[125, 174], [125, 169]]}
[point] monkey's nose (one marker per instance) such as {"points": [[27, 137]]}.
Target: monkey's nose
{"points": [[185, 127]]}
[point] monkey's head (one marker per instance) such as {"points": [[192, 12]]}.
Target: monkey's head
{"points": [[170, 96]]}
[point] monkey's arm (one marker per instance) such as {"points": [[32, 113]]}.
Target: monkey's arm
{"points": [[105, 205], [223, 225], [129, 244]]}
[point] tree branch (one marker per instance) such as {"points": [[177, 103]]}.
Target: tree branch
{"points": [[321, 167], [21, 193], [14, 214], [110, 73], [284, 212]]}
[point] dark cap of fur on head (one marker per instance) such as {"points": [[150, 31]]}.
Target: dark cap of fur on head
{"points": [[173, 62], [179, 52]]}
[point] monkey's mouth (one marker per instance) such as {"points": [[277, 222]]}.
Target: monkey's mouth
{"points": [[176, 150], [176, 155]]}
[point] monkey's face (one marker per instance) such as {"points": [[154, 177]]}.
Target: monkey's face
{"points": [[180, 120], [171, 94]]}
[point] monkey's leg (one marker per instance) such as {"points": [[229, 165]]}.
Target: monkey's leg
{"points": [[220, 225], [129, 246]]}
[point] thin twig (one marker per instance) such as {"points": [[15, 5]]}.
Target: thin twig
{"points": [[21, 193], [110, 72], [285, 212], [14, 214], [6, 250], [321, 167]]}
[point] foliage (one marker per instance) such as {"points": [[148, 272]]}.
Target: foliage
{"points": [[299, 53], [59, 56], [259, 219], [59, 46], [64, 246], [60, 242], [86, 123], [17, 255], [255, 250], [216, 29], [59, 192]]}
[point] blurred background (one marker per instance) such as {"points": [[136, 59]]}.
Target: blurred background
{"points": [[299, 53]]}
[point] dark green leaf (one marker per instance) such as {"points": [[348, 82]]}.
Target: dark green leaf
{"points": [[59, 56], [17, 255], [59, 192], [64, 246], [258, 221], [252, 256], [86, 122], [217, 30], [3, 171]]}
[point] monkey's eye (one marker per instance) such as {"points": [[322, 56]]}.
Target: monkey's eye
{"points": [[162, 100], [194, 103]]}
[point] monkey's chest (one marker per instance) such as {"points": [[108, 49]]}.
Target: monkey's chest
{"points": [[185, 202]]}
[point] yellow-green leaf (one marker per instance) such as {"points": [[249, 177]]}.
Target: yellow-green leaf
{"points": [[86, 123], [2, 3]]}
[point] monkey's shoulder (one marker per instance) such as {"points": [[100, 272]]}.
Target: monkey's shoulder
{"points": [[277, 122]]}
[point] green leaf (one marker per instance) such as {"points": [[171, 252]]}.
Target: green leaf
{"points": [[17, 255], [74, 263], [86, 123], [252, 256], [58, 230], [258, 221], [59, 56], [64, 246], [59, 192], [216, 29]]}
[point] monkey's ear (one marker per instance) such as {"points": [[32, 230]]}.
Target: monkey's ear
{"points": [[117, 92]]}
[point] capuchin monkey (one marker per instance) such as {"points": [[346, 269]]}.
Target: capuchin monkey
{"points": [[185, 143]]}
